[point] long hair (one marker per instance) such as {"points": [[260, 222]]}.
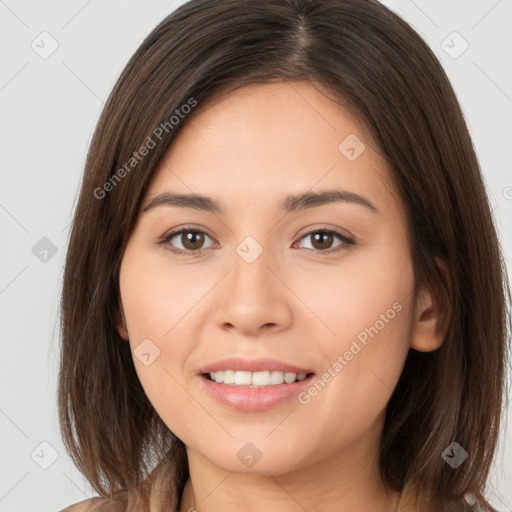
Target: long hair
{"points": [[374, 63]]}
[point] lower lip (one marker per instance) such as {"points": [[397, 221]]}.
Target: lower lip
{"points": [[247, 399]]}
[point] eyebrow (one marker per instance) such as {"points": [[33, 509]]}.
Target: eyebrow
{"points": [[291, 203]]}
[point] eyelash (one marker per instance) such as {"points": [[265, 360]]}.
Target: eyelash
{"points": [[347, 242]]}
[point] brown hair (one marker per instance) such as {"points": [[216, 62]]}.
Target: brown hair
{"points": [[374, 62]]}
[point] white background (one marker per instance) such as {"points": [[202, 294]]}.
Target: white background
{"points": [[49, 111]]}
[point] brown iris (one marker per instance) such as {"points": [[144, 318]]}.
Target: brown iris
{"points": [[192, 239], [323, 239]]}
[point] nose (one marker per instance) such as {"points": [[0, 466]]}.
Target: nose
{"points": [[253, 298]]}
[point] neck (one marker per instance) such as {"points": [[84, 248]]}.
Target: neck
{"points": [[344, 482], [257, 493]]}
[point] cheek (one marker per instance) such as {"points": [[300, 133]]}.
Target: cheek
{"points": [[363, 330], [164, 307], [353, 295], [156, 297]]}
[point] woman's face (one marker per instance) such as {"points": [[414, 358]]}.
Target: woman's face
{"points": [[263, 278]]}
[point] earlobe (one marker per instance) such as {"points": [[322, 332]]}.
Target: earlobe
{"points": [[427, 333], [121, 325], [425, 337]]}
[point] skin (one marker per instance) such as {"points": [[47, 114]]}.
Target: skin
{"points": [[295, 302]]}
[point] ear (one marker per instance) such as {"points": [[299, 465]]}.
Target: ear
{"points": [[121, 325], [427, 332]]}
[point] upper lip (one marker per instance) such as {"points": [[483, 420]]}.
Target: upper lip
{"points": [[252, 365]]}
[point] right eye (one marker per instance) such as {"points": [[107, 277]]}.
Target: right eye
{"points": [[191, 240]]}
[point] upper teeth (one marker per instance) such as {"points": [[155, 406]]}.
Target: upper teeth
{"points": [[265, 378]]}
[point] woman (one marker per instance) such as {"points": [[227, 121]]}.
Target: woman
{"points": [[283, 289]]}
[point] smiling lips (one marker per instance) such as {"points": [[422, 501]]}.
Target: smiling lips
{"points": [[253, 385]]}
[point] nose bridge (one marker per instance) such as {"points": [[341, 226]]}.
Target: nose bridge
{"points": [[254, 296], [251, 261]]}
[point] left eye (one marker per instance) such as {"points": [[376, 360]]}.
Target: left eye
{"points": [[192, 240], [323, 237]]}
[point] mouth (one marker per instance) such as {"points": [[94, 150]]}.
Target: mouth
{"points": [[258, 391], [253, 385]]}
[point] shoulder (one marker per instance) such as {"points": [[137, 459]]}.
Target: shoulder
{"points": [[88, 505]]}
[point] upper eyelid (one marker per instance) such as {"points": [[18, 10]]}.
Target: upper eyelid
{"points": [[305, 231]]}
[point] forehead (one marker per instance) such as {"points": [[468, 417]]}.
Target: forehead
{"points": [[262, 140]]}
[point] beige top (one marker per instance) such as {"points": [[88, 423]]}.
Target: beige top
{"points": [[408, 501]]}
